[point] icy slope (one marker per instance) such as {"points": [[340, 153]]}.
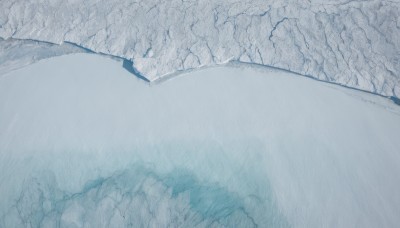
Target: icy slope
{"points": [[84, 143], [19, 53], [354, 43]]}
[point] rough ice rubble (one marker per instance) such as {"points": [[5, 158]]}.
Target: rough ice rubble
{"points": [[354, 43]]}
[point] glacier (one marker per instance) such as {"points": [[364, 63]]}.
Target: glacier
{"points": [[84, 143], [348, 42]]}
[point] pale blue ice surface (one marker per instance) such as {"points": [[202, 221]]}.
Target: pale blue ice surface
{"points": [[85, 143]]}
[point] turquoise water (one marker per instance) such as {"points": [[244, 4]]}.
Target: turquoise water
{"points": [[140, 196]]}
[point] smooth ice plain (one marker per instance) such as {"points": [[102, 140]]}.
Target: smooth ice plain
{"points": [[84, 143]]}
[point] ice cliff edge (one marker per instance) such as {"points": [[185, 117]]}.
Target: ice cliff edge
{"points": [[353, 43]]}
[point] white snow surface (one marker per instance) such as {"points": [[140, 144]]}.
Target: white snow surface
{"points": [[353, 43], [83, 143]]}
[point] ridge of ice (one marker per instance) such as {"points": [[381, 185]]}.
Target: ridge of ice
{"points": [[353, 43], [19, 53]]}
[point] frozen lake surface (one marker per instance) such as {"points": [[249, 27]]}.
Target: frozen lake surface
{"points": [[85, 143]]}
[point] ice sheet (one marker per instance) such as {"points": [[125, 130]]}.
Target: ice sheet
{"points": [[82, 139]]}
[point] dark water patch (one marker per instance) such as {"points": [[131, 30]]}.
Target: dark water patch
{"points": [[128, 65], [395, 100]]}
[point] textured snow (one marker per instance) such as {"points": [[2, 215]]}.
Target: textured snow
{"points": [[83, 143], [353, 43]]}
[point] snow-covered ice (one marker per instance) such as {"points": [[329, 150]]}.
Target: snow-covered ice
{"points": [[85, 143], [349, 42]]}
